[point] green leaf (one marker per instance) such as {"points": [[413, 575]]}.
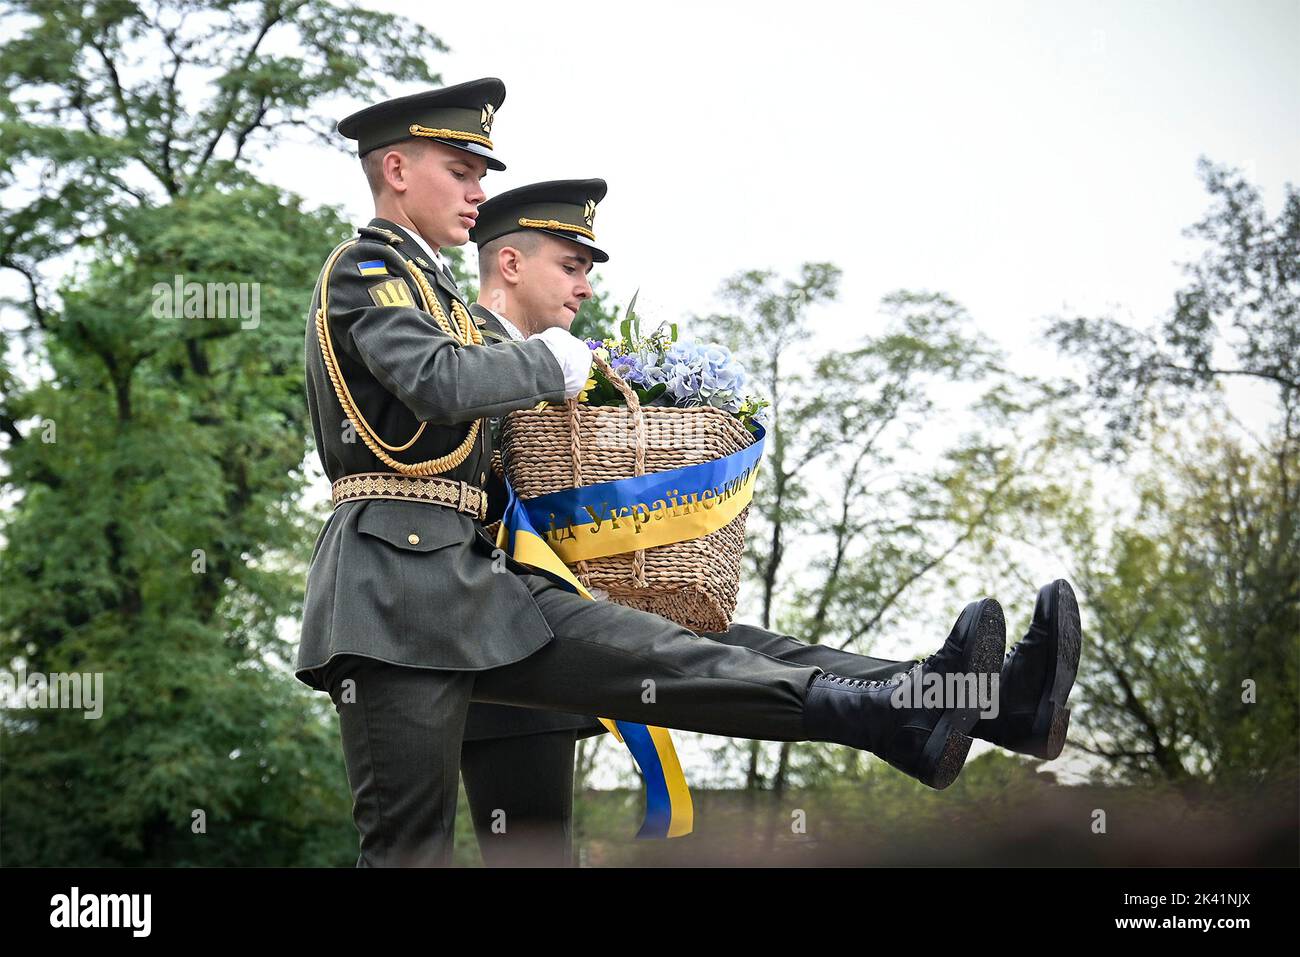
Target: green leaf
{"points": [[654, 392]]}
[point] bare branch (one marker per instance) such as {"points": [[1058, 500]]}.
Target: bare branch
{"points": [[32, 290], [1256, 373], [228, 113], [119, 95], [928, 566]]}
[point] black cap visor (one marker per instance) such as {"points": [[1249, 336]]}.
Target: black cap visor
{"points": [[477, 150], [597, 254]]}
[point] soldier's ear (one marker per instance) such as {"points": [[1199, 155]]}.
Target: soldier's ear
{"points": [[396, 168], [509, 260]]}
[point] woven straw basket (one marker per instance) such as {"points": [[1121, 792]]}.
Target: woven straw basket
{"points": [[694, 582]]}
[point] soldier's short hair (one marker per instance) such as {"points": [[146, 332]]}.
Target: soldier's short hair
{"points": [[527, 241], [372, 163]]}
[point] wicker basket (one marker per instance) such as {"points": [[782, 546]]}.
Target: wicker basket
{"points": [[695, 582]]}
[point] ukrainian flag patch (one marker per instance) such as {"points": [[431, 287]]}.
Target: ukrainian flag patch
{"points": [[372, 267]]}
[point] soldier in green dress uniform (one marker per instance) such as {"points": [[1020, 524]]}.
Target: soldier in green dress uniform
{"points": [[518, 763], [412, 615]]}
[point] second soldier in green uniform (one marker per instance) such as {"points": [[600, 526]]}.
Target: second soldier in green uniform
{"points": [[407, 618]]}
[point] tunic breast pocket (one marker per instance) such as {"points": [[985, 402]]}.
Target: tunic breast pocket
{"points": [[423, 593], [408, 568], [411, 526]]}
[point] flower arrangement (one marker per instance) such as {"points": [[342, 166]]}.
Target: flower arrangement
{"points": [[666, 372], [689, 574]]}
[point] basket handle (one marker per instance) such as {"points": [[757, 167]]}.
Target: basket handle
{"points": [[638, 420], [619, 383]]}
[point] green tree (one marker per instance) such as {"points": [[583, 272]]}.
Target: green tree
{"points": [[1243, 298], [154, 460], [1190, 674], [881, 522], [1190, 601]]}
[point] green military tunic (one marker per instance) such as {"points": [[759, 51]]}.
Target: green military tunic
{"points": [[566, 209], [408, 582], [498, 720]]}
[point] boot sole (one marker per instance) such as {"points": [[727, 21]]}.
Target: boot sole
{"points": [[946, 748], [1052, 721]]}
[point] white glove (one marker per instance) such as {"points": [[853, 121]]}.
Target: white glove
{"points": [[572, 354]]}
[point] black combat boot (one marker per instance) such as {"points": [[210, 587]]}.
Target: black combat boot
{"points": [[1037, 676], [885, 717]]}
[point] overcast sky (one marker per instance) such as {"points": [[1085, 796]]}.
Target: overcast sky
{"points": [[1026, 159], [1023, 158]]}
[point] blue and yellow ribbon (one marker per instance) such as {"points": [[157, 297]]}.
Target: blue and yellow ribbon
{"points": [[622, 516]]}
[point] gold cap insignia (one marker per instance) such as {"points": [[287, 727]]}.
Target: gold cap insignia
{"points": [[589, 213], [486, 118]]}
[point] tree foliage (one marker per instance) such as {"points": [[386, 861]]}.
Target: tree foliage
{"points": [[869, 499], [154, 531], [1194, 595], [1241, 299]]}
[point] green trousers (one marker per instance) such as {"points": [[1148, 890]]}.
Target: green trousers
{"points": [[403, 727]]}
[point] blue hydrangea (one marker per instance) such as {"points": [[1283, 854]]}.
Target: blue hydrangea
{"points": [[694, 374], [704, 375]]}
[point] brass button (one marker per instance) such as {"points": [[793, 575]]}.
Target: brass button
{"points": [[482, 478], [413, 538]]}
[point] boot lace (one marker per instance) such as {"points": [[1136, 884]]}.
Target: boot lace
{"points": [[871, 683]]}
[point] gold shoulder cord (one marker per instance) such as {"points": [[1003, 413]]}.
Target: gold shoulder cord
{"points": [[467, 334]]}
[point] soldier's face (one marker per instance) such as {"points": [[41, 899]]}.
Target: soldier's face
{"points": [[444, 193], [553, 282]]}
